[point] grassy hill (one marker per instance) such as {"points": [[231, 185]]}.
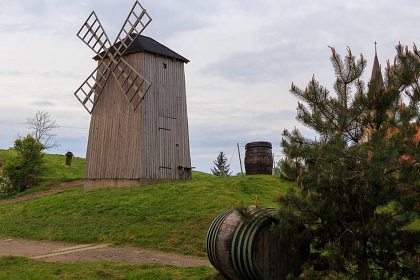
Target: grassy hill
{"points": [[170, 216], [53, 170], [165, 216]]}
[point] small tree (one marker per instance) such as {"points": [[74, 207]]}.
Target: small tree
{"points": [[23, 172], [221, 167], [277, 169], [42, 126], [357, 185]]}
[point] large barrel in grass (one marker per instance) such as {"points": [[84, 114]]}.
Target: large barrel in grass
{"points": [[247, 248], [258, 158]]}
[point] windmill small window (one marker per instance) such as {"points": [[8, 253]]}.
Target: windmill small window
{"points": [[139, 124]]}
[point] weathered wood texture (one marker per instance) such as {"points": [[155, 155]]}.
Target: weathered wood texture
{"points": [[251, 250], [258, 158], [150, 142]]}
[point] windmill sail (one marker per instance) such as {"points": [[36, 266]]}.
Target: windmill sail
{"points": [[131, 29], [89, 92], [131, 83], [94, 36]]}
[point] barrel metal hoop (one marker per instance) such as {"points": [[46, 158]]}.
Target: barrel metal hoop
{"points": [[236, 244], [248, 248], [241, 256], [211, 237], [243, 243], [261, 219], [260, 144]]}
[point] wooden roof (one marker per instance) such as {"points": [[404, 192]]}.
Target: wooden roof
{"points": [[147, 44]]}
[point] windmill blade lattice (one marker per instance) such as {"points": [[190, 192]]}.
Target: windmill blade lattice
{"points": [[131, 29], [89, 92], [131, 83], [94, 36]]}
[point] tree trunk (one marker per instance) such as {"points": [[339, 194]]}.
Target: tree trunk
{"points": [[364, 272], [363, 263]]}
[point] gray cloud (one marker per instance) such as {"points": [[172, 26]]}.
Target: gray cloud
{"points": [[14, 73], [43, 103], [45, 74], [244, 55], [262, 66], [61, 74]]}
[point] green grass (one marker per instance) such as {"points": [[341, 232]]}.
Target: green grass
{"points": [[22, 268], [170, 216], [165, 216], [6, 155], [55, 169]]}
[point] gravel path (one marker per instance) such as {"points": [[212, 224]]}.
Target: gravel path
{"points": [[73, 253]]}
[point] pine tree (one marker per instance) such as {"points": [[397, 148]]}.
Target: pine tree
{"points": [[357, 184], [221, 168]]}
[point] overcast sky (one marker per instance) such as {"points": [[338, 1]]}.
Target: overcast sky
{"points": [[244, 56]]}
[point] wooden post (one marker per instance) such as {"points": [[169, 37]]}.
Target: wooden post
{"points": [[274, 165], [69, 156], [240, 160]]}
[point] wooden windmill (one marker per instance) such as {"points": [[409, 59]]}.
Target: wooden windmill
{"points": [[137, 100]]}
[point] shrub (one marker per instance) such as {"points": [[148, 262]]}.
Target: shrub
{"points": [[23, 171], [5, 186]]}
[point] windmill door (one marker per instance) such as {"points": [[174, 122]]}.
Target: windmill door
{"points": [[167, 149]]}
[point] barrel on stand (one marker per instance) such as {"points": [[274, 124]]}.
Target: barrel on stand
{"points": [[248, 249], [258, 158]]}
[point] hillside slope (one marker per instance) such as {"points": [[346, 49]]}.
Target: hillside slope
{"points": [[170, 216]]}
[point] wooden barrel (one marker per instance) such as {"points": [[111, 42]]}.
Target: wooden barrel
{"points": [[249, 249], [218, 242], [258, 158], [232, 244], [243, 246]]}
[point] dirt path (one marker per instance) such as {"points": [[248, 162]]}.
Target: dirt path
{"points": [[56, 189], [73, 253]]}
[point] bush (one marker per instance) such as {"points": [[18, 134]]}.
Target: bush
{"points": [[23, 171]]}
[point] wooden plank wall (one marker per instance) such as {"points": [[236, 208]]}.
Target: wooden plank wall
{"points": [[164, 115], [114, 134], [149, 143], [167, 147]]}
